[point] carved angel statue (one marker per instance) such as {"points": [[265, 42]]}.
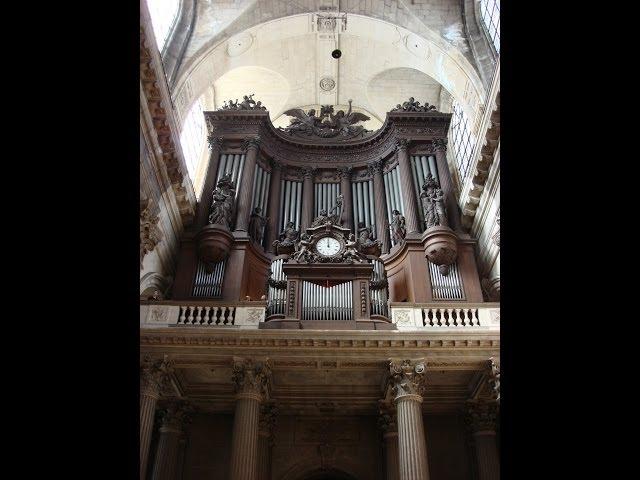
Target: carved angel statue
{"points": [[344, 123], [352, 254], [336, 218], [222, 205], [287, 239], [364, 235], [302, 122], [303, 252], [320, 219]]}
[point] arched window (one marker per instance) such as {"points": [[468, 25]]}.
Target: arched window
{"points": [[490, 11], [461, 140], [163, 15], [193, 137]]}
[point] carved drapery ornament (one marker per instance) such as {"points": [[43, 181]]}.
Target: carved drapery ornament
{"points": [[412, 105], [406, 378], [482, 416], [150, 233], [153, 374], [251, 377]]}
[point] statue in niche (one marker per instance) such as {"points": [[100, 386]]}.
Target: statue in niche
{"points": [[223, 200], [398, 228], [287, 239], [435, 213], [256, 225]]}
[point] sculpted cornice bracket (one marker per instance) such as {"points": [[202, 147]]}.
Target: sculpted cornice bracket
{"points": [[406, 377], [252, 377]]}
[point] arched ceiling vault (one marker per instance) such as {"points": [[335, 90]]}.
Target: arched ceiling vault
{"points": [[287, 63]]}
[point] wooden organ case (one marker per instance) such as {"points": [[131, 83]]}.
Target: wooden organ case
{"points": [[268, 191]]}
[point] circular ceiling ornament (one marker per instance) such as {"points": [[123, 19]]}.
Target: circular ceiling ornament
{"points": [[239, 44], [327, 84]]}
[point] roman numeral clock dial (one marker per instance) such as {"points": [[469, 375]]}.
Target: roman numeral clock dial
{"points": [[328, 246]]}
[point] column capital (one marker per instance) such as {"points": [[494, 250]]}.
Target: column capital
{"points": [[482, 416], [376, 166], [153, 373], [440, 144], [275, 164], [215, 142], [387, 420], [251, 142], [344, 172], [494, 377], [406, 378], [308, 172], [252, 378], [175, 415], [402, 143]]}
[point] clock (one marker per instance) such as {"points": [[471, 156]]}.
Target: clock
{"points": [[328, 246]]}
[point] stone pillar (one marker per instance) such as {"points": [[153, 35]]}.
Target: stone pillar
{"points": [[446, 184], [245, 187], [307, 198], [265, 440], [204, 205], [482, 422], [382, 221], [173, 418], [152, 374], [251, 379], [274, 205], [407, 385], [406, 182], [388, 425], [344, 173]]}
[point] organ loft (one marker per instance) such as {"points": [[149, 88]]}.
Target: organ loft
{"points": [[326, 320]]}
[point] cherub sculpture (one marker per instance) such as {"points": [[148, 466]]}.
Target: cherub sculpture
{"points": [[344, 123]]}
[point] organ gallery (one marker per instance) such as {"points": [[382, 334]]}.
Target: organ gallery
{"points": [[318, 300]]}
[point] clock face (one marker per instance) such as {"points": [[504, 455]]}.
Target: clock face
{"points": [[328, 246]]}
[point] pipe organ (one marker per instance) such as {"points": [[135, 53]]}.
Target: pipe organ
{"points": [[326, 270]]}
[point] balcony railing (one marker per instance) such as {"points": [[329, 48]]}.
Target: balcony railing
{"points": [[205, 314], [441, 316]]}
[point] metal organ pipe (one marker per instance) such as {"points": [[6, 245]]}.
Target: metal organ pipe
{"points": [[433, 168]]}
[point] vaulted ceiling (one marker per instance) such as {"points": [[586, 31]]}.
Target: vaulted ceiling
{"points": [[281, 51]]}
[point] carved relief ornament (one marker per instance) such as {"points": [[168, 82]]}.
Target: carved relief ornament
{"points": [[150, 233], [251, 377], [406, 378], [153, 373], [175, 415]]}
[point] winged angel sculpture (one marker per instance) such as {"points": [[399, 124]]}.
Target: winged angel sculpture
{"points": [[326, 125]]}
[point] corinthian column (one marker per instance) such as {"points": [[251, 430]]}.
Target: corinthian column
{"points": [[408, 193], [407, 385], [382, 222], [204, 205], [152, 374], [265, 440], [389, 426], [251, 379], [173, 419], [251, 146], [307, 198], [344, 173], [446, 183], [274, 205], [481, 419]]}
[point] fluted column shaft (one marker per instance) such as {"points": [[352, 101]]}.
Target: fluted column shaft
{"points": [[391, 455], [165, 466], [446, 184], [148, 399], [408, 193], [264, 456], [274, 206], [382, 222], [244, 445], [487, 455], [204, 205], [347, 201], [246, 186], [307, 200], [412, 448]]}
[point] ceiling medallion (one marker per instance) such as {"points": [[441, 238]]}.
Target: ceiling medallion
{"points": [[327, 84]]}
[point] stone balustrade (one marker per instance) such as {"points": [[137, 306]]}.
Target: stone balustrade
{"points": [[446, 316], [240, 315]]}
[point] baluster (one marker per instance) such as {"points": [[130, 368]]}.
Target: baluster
{"points": [[181, 316], [438, 315], [225, 315], [475, 311], [205, 315], [233, 315]]}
